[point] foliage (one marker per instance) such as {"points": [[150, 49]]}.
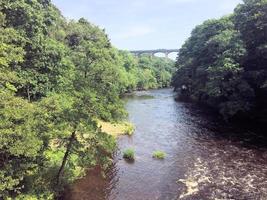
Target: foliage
{"points": [[129, 128], [223, 63], [146, 72], [21, 148], [56, 78], [128, 154], [159, 154]]}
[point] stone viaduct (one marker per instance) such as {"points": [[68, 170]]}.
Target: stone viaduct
{"points": [[153, 52]]}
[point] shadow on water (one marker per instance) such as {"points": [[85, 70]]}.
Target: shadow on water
{"points": [[249, 135], [206, 158]]}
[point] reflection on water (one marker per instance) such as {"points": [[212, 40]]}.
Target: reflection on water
{"points": [[205, 159]]}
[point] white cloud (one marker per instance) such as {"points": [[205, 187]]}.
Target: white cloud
{"points": [[136, 31]]}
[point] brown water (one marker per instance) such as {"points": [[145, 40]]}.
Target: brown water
{"points": [[205, 158]]}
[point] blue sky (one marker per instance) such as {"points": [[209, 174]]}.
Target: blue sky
{"points": [[146, 24]]}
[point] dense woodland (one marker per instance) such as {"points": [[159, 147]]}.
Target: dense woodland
{"points": [[224, 63], [57, 78]]}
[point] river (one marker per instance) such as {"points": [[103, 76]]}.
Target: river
{"points": [[206, 159]]}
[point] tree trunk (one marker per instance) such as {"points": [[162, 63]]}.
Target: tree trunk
{"points": [[28, 93], [65, 158]]}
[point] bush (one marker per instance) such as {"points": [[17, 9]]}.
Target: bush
{"points": [[128, 154], [129, 128], [159, 154]]}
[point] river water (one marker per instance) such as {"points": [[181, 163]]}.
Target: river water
{"points": [[206, 159]]}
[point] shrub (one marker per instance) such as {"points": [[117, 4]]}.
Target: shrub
{"points": [[128, 154], [129, 128], [159, 154]]}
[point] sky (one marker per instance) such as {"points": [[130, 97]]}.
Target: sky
{"points": [[146, 24]]}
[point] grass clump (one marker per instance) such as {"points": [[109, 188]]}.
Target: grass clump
{"points": [[128, 128], [159, 154], [128, 154]]}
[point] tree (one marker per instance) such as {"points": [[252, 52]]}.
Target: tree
{"points": [[57, 78], [20, 145], [250, 19], [221, 64]]}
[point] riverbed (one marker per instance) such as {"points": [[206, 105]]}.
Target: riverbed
{"points": [[205, 158]]}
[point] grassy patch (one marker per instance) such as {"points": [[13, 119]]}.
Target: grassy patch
{"points": [[116, 129], [128, 154], [159, 154]]}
